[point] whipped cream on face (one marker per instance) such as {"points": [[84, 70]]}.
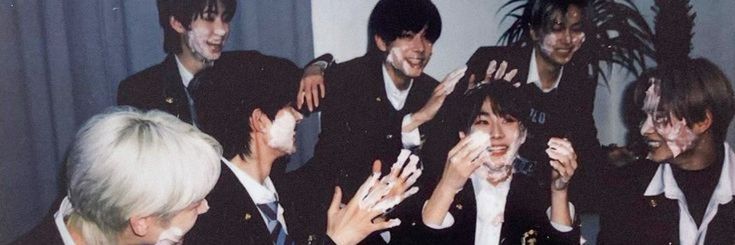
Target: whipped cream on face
{"points": [[170, 236], [282, 132]]}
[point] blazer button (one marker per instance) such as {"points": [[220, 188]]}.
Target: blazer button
{"points": [[390, 136], [247, 217]]}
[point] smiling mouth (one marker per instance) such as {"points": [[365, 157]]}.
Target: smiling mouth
{"points": [[498, 150], [652, 144]]}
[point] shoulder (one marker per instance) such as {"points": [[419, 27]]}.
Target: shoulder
{"points": [[146, 79], [44, 233]]}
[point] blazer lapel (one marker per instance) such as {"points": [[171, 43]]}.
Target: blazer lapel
{"points": [[242, 205], [174, 93]]}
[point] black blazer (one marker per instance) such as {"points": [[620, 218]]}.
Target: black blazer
{"points": [[525, 218], [44, 233], [358, 126], [632, 218], [233, 217], [160, 87], [570, 116]]}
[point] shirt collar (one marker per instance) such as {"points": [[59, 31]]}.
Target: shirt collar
{"points": [[396, 96], [533, 76], [663, 181], [185, 74], [64, 211], [260, 193]]}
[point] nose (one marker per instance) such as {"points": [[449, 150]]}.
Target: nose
{"points": [[496, 132], [221, 27], [419, 43], [567, 36], [647, 126]]}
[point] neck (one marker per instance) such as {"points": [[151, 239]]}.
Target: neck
{"points": [[702, 155], [190, 62], [399, 79], [548, 72], [260, 161]]}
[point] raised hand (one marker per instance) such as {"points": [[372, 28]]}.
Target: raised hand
{"points": [[351, 223], [563, 160], [310, 86], [495, 72], [464, 159]]}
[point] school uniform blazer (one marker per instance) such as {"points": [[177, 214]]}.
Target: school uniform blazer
{"points": [[633, 218], [233, 217], [525, 218], [45, 233], [569, 115], [160, 87], [358, 126]]}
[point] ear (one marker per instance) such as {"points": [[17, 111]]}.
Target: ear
{"points": [[380, 43], [704, 125], [176, 25], [259, 121], [141, 225]]}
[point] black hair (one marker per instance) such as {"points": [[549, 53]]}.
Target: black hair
{"points": [[542, 11], [689, 88], [186, 11], [224, 106], [506, 99], [392, 19]]}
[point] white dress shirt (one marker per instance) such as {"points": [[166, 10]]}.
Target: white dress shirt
{"points": [[397, 98], [260, 193], [534, 77], [185, 74], [490, 201], [64, 211], [663, 182]]}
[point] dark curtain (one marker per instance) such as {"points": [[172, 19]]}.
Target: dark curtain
{"points": [[61, 61]]}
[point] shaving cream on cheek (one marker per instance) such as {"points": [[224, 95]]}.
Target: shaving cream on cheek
{"points": [[281, 133], [398, 61], [678, 136]]}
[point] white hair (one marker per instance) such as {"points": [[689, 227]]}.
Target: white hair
{"points": [[125, 162]]}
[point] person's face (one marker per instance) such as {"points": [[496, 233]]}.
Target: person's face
{"points": [[207, 34], [666, 135], [282, 132], [409, 54], [173, 230], [506, 136], [562, 35]]}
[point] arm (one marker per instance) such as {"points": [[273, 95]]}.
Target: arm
{"points": [[311, 85]]}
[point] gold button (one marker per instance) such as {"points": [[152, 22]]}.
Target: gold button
{"points": [[378, 99], [247, 216], [459, 206], [170, 100]]}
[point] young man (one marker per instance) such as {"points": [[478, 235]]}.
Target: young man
{"points": [[554, 82], [683, 192], [195, 32], [381, 102], [255, 122], [498, 205], [133, 178]]}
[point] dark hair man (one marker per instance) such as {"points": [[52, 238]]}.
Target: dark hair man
{"points": [[682, 193], [195, 32], [480, 197], [557, 86], [381, 102], [256, 122]]}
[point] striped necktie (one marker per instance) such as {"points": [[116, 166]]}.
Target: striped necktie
{"points": [[278, 235]]}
